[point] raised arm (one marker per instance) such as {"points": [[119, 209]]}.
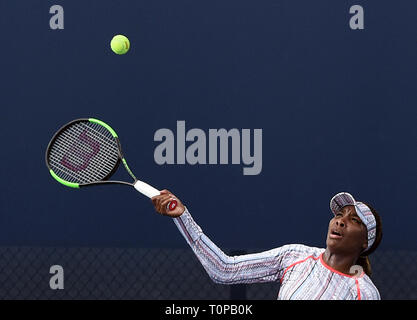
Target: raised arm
{"points": [[265, 266]]}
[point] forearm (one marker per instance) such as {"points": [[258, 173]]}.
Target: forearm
{"points": [[221, 268]]}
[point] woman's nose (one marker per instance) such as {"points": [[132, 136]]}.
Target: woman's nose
{"points": [[340, 223]]}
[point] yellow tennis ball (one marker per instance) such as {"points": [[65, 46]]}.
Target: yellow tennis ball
{"points": [[120, 44]]}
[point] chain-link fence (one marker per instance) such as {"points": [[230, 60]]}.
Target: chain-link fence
{"points": [[126, 273]]}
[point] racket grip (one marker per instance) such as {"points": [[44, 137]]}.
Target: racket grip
{"points": [[172, 205], [146, 189], [150, 192]]}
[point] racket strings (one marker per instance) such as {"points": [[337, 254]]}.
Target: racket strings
{"points": [[82, 149], [76, 154], [82, 175], [84, 152]]}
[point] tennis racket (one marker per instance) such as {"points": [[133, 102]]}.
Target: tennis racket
{"points": [[87, 152]]}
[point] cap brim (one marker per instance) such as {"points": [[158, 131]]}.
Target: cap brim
{"points": [[341, 200]]}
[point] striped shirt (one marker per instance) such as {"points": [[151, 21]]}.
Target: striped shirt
{"points": [[300, 269]]}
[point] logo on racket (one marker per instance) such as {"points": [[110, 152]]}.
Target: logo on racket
{"points": [[172, 205], [80, 155]]}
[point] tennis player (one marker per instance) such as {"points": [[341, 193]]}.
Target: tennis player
{"points": [[341, 271]]}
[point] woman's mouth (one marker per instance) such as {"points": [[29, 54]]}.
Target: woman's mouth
{"points": [[334, 234]]}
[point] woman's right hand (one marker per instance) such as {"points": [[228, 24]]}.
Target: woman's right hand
{"points": [[161, 201]]}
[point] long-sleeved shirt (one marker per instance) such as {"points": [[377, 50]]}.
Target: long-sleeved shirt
{"points": [[301, 269]]}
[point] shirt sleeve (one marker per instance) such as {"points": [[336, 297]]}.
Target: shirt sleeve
{"points": [[267, 266]]}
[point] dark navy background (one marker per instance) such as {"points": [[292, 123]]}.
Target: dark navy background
{"points": [[337, 108]]}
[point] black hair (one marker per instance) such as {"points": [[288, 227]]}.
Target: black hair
{"points": [[363, 259]]}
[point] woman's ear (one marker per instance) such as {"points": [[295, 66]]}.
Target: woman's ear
{"points": [[365, 245]]}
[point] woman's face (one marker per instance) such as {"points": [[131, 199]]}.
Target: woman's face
{"points": [[347, 233]]}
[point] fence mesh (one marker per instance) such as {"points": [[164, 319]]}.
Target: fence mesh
{"points": [[132, 273]]}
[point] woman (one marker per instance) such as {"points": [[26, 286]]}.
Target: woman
{"points": [[341, 271]]}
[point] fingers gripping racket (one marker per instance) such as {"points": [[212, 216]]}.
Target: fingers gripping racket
{"points": [[87, 152]]}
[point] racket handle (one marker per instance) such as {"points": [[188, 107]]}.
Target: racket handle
{"points": [[146, 189], [150, 192], [172, 205]]}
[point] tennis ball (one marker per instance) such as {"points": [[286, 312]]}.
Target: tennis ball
{"points": [[120, 44]]}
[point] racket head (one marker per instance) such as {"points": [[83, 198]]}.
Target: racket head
{"points": [[83, 152]]}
